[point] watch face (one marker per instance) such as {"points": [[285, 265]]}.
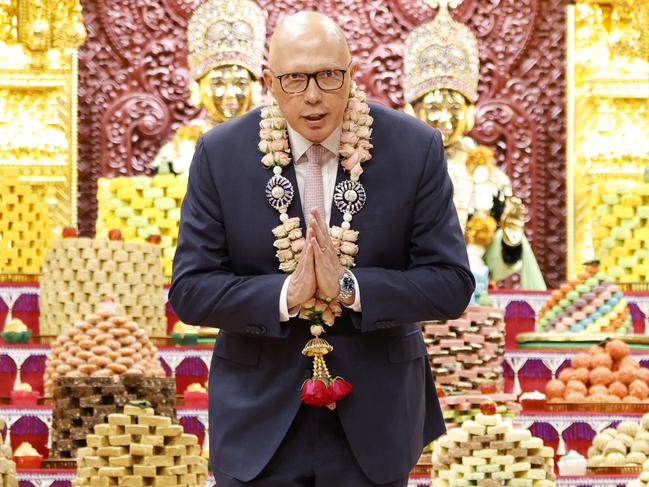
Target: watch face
{"points": [[347, 284]]}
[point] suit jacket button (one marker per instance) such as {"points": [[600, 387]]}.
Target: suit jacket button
{"points": [[262, 330]]}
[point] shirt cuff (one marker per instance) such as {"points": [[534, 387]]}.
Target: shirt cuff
{"points": [[286, 314], [356, 305]]}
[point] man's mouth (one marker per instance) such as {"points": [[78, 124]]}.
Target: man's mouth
{"points": [[315, 117]]}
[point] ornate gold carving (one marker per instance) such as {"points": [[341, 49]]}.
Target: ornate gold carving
{"points": [[608, 114], [38, 121]]}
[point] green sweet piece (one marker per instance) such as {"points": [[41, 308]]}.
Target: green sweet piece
{"points": [[165, 203], [125, 212], [611, 198], [153, 193], [141, 182]]}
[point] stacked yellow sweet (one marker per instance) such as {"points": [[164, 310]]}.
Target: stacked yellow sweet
{"points": [[25, 231], [80, 273], [490, 451], [136, 449], [621, 229], [627, 445], [141, 207], [8, 476]]}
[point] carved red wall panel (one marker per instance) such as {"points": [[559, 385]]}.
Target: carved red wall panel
{"points": [[134, 89]]}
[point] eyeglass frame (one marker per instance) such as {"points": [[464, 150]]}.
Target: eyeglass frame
{"points": [[313, 76]]}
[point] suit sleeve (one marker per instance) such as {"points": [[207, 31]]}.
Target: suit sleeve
{"points": [[204, 290], [438, 283]]}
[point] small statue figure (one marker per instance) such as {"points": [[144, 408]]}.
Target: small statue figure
{"points": [[441, 71], [226, 49]]}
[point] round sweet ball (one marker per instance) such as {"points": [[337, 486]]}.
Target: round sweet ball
{"points": [[555, 388], [610, 431], [601, 440], [629, 428], [626, 440], [581, 374], [601, 375], [642, 373], [599, 389], [596, 461], [614, 446], [626, 375], [639, 389], [613, 398], [575, 396], [593, 451], [636, 457], [642, 435], [576, 386], [631, 399], [644, 422], [581, 360], [566, 374], [630, 361], [645, 466], [641, 446], [615, 459], [602, 360], [619, 390], [617, 349]]}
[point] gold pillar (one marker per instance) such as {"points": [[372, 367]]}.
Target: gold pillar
{"points": [[38, 127], [608, 129]]}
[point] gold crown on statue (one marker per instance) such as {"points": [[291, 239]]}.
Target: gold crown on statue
{"points": [[223, 32], [441, 54]]}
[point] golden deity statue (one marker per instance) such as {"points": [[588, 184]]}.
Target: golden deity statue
{"points": [[38, 127], [441, 71], [226, 48]]}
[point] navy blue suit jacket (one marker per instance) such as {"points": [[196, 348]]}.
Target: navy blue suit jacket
{"points": [[412, 266]]}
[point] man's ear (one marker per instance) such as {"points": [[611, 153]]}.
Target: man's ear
{"points": [[267, 76]]}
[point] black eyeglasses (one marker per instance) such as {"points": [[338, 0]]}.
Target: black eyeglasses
{"points": [[327, 80]]}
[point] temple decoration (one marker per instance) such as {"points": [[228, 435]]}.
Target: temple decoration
{"points": [[608, 138], [226, 49], [441, 74], [38, 126]]}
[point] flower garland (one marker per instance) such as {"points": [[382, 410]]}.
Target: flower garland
{"points": [[349, 198]]}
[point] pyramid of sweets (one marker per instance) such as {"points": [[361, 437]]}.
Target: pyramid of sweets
{"points": [[141, 207], [24, 225], [624, 446], [79, 273], [137, 448], [621, 229], [592, 303], [101, 345], [490, 451], [603, 375], [80, 403], [468, 351], [8, 476], [466, 357]]}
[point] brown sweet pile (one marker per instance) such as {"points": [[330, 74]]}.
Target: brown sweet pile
{"points": [[603, 375], [103, 345]]}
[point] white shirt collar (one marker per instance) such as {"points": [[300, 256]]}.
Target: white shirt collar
{"points": [[299, 144]]}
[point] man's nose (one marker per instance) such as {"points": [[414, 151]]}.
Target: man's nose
{"points": [[312, 93]]}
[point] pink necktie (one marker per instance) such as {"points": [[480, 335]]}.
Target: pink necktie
{"points": [[313, 192]]}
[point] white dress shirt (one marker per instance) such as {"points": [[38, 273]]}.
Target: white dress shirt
{"points": [[299, 146]]}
